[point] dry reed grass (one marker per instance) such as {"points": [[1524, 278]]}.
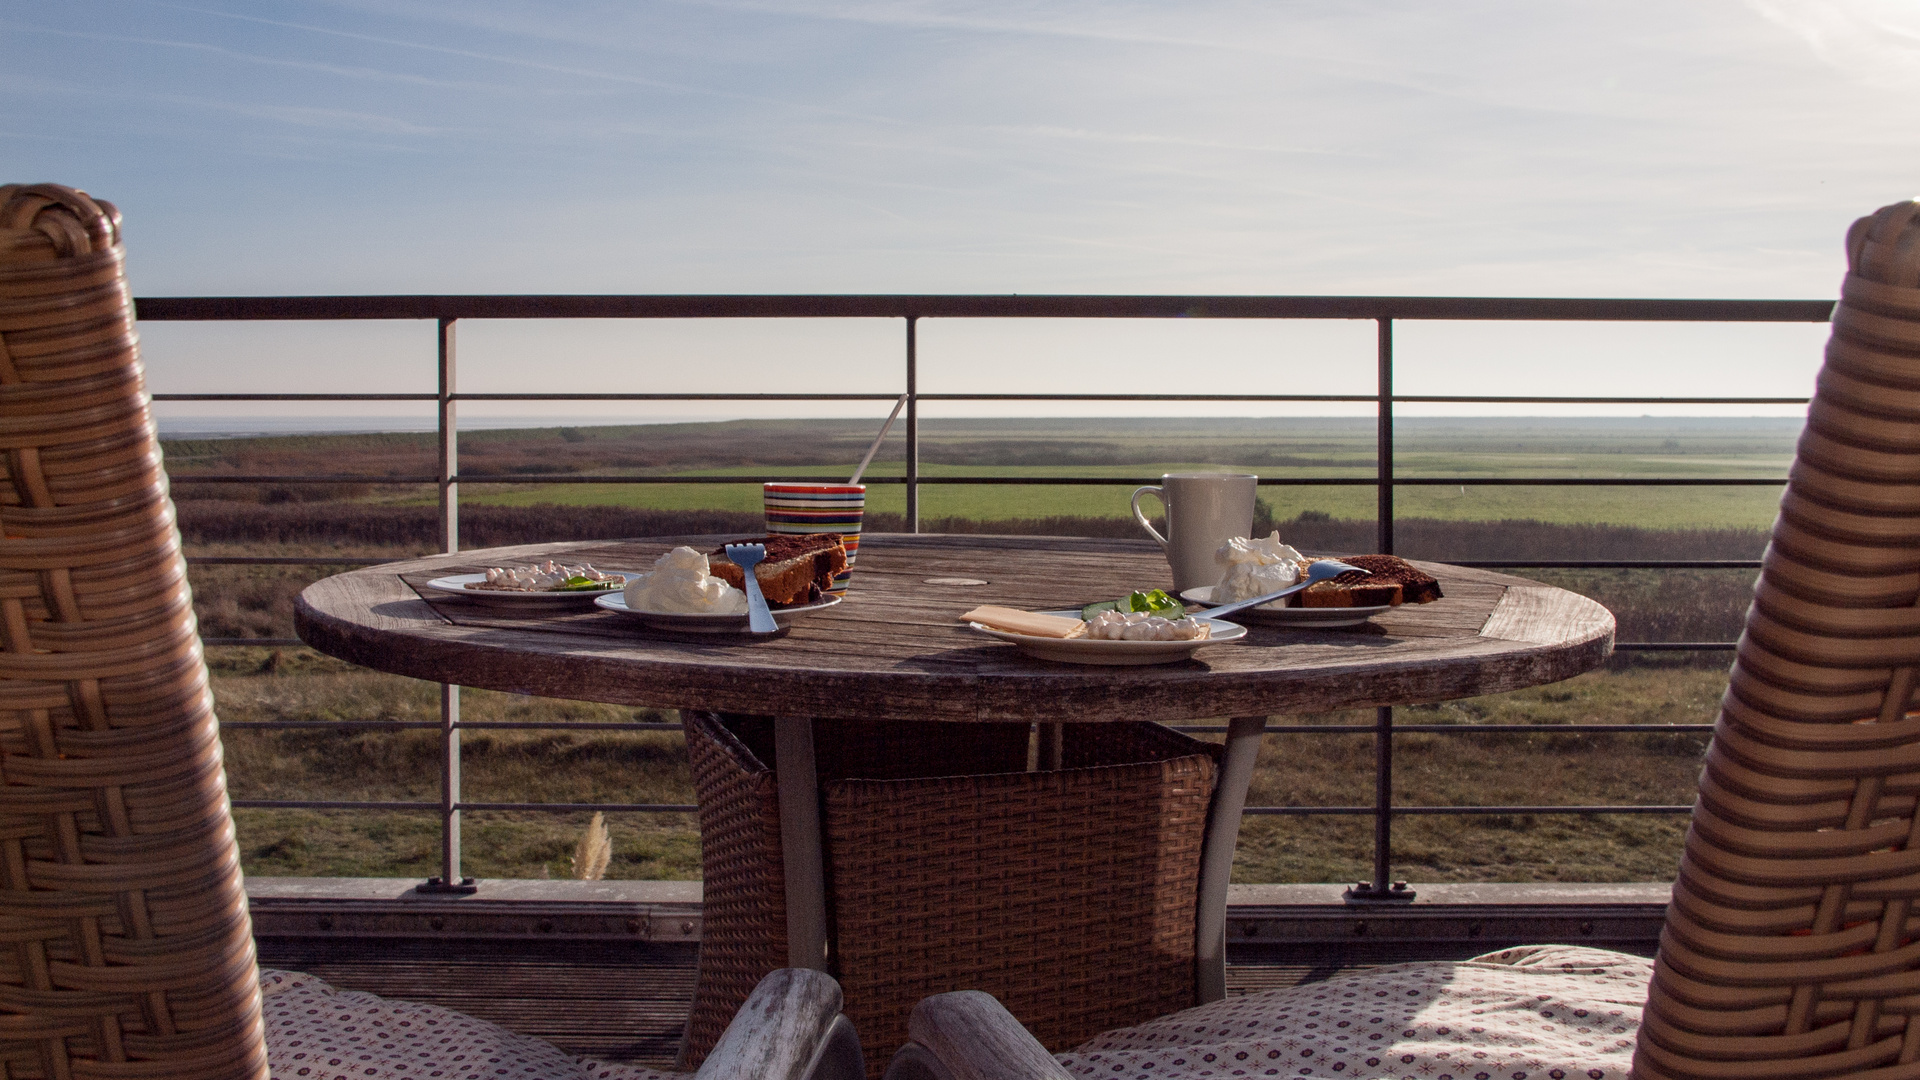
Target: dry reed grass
{"points": [[1309, 770]]}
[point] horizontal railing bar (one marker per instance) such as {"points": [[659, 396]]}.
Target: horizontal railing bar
{"points": [[336, 725], [290, 397], [1453, 729], [1490, 399], [1367, 811], [684, 808], [1607, 564], [1027, 481], [1289, 729], [559, 421], [1481, 399], [472, 725], [1553, 309], [949, 397], [329, 804], [564, 725], [1194, 729], [620, 808], [1504, 399], [1549, 729], [334, 804], [1578, 481], [674, 397], [288, 560], [1275, 729], [687, 808], [1122, 481], [298, 478]]}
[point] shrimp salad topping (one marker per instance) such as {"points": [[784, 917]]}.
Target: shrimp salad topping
{"points": [[1140, 626], [547, 577]]}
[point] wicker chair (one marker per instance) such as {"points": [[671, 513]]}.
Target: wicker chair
{"points": [[129, 952], [1792, 945]]}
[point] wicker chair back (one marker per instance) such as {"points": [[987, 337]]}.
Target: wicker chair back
{"points": [[127, 947], [1790, 948]]}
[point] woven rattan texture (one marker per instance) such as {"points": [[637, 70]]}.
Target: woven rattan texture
{"points": [[743, 932], [1791, 949], [1067, 894], [743, 927], [127, 950]]}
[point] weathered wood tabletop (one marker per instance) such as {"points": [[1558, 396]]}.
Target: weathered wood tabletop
{"points": [[896, 648]]}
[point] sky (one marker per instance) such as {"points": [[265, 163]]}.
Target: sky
{"points": [[1604, 148]]}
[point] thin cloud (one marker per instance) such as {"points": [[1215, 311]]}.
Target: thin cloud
{"points": [[1144, 138], [1875, 42], [532, 65], [374, 74]]}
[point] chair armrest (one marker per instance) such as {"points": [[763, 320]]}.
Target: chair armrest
{"points": [[789, 1029], [967, 1035]]}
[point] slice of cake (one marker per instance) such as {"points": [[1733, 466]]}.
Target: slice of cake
{"points": [[797, 570], [1390, 580]]}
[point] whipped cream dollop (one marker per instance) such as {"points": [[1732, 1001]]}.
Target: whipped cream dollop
{"points": [[1140, 626], [1255, 567], [681, 584]]}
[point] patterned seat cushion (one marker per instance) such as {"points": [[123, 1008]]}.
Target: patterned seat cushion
{"points": [[315, 1032], [1539, 1012]]}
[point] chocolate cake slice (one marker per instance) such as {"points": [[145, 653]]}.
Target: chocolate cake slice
{"points": [[1390, 580], [797, 570]]}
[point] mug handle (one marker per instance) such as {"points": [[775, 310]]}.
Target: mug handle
{"points": [[1158, 493]]}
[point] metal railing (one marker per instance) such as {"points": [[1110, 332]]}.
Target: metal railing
{"points": [[448, 311]]}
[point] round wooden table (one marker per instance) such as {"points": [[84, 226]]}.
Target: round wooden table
{"points": [[897, 650]]}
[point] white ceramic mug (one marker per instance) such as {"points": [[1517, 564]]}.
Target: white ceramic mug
{"points": [[1204, 510]]}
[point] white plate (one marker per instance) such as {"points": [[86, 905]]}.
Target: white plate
{"points": [[457, 586], [1298, 617], [1098, 651], [701, 623]]}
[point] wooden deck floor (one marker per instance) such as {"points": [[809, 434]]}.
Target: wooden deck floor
{"points": [[606, 968], [615, 1001]]}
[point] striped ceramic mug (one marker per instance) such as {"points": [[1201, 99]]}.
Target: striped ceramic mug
{"points": [[819, 508]]}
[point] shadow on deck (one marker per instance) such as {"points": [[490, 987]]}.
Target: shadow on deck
{"points": [[606, 968]]}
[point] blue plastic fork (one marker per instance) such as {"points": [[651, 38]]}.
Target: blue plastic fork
{"points": [[746, 557]]}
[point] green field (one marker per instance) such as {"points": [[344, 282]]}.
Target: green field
{"points": [[1128, 450], [1666, 507], [1299, 770], [1484, 521]]}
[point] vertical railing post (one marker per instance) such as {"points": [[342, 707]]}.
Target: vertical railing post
{"points": [[913, 425], [1383, 444], [450, 879], [449, 431], [1379, 888]]}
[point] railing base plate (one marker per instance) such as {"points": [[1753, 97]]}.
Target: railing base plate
{"points": [[1364, 892]]}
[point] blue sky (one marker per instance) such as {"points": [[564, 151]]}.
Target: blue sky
{"points": [[1611, 148]]}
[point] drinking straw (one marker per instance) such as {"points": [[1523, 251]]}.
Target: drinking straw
{"points": [[871, 450]]}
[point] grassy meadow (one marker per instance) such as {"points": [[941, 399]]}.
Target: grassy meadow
{"points": [[353, 519]]}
